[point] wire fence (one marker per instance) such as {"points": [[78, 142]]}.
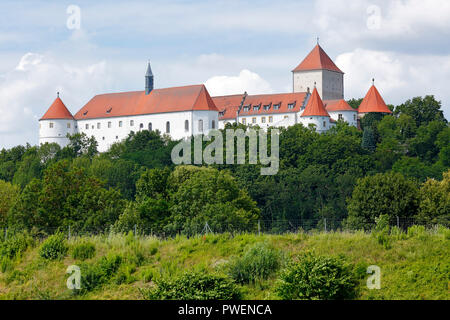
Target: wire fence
{"points": [[262, 227]]}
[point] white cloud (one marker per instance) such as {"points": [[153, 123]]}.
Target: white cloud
{"points": [[398, 76], [27, 91], [245, 81]]}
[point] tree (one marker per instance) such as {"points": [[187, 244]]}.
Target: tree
{"points": [[213, 197], [412, 167], [8, 196], [435, 201], [355, 103], [368, 139], [389, 193], [80, 144], [422, 110]]}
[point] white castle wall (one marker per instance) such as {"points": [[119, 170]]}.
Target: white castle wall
{"points": [[351, 117], [317, 121], [55, 131], [108, 130]]}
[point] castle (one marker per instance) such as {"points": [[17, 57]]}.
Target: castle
{"points": [[317, 100]]}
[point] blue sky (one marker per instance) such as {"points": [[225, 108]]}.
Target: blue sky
{"points": [[231, 46]]}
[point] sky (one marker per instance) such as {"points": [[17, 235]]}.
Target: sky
{"points": [[84, 48]]}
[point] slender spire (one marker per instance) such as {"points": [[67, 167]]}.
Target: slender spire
{"points": [[148, 79], [317, 40], [57, 94], [373, 81]]}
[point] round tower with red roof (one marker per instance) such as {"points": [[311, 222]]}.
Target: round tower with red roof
{"points": [[373, 102], [56, 123], [315, 113]]}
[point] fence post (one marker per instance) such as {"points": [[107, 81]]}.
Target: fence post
{"points": [[398, 222], [325, 224], [69, 232], [259, 227]]}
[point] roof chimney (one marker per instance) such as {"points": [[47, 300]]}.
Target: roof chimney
{"points": [[148, 79]]}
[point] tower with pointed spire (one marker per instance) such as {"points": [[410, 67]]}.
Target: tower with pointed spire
{"points": [[56, 123], [318, 67], [148, 80]]}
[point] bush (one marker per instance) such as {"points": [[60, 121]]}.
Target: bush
{"points": [[94, 275], [317, 277], [258, 262], [83, 251], [15, 245], [193, 286], [54, 247]]}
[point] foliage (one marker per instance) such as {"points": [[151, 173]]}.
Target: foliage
{"points": [[390, 193], [259, 262], [83, 251], [317, 277], [8, 195], [15, 245], [194, 285], [435, 202], [99, 273], [422, 110], [54, 247]]}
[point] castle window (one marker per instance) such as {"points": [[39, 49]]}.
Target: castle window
{"points": [[51, 125], [120, 124], [354, 117], [109, 124], [340, 116], [270, 119], [200, 125], [131, 123], [68, 125], [263, 119], [256, 108], [98, 125], [267, 107], [253, 120], [87, 126], [103, 138], [213, 124], [286, 117], [244, 121], [149, 126], [324, 124], [167, 127], [186, 125], [141, 126], [109, 110], [246, 108], [117, 137], [276, 106], [291, 105]]}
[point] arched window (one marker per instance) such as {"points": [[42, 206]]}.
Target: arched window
{"points": [[167, 127], [200, 125], [213, 124], [149, 126], [141, 126], [186, 125]]}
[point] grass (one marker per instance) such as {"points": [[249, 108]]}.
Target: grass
{"points": [[414, 266]]}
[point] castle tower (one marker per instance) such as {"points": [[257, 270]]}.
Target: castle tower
{"points": [[148, 79], [315, 113], [373, 102], [56, 123], [318, 68]]}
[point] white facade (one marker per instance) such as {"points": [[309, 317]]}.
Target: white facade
{"points": [[177, 125], [351, 117], [320, 123], [56, 130], [329, 84]]}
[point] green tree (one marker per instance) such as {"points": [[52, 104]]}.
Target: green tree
{"points": [[8, 196], [435, 201], [389, 193], [422, 110], [368, 139]]}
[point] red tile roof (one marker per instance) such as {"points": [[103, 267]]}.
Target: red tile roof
{"points": [[57, 110], [373, 102], [337, 105], [175, 99], [229, 105], [317, 59], [315, 106]]}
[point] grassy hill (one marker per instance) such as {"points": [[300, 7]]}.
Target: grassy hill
{"points": [[414, 265]]}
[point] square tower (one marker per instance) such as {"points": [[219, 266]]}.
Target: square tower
{"points": [[318, 70]]}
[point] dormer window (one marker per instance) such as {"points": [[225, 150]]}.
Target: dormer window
{"points": [[267, 107], [109, 110], [291, 105], [221, 113], [256, 108], [276, 106], [247, 108], [85, 113]]}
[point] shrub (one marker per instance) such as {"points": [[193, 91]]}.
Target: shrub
{"points": [[94, 275], [193, 286], [258, 262], [83, 251], [317, 277], [15, 245], [417, 231], [54, 247], [125, 274]]}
